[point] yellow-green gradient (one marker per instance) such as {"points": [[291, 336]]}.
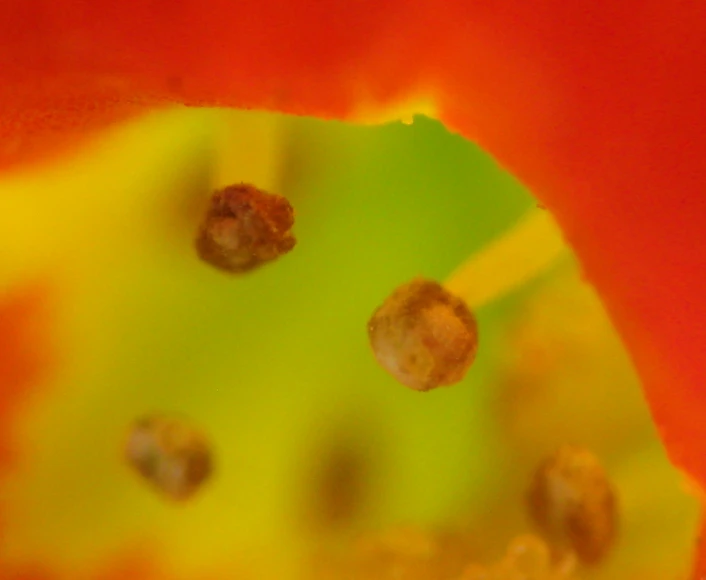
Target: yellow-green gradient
{"points": [[275, 365]]}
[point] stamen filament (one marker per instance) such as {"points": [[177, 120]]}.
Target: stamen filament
{"points": [[520, 254]]}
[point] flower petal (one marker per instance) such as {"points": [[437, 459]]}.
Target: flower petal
{"points": [[69, 67], [596, 105], [618, 155], [24, 360], [24, 354]]}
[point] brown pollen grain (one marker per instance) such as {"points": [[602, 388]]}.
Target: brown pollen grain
{"points": [[424, 336], [245, 228], [572, 500]]}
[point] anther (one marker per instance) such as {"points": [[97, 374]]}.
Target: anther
{"points": [[424, 336], [171, 454], [245, 228], [573, 502]]}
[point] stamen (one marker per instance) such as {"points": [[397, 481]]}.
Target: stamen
{"points": [[424, 336], [245, 228], [573, 502], [169, 453], [529, 248]]}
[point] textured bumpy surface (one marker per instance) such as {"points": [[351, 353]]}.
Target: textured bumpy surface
{"points": [[410, 554], [245, 228], [573, 502], [171, 454], [424, 336], [527, 558]]}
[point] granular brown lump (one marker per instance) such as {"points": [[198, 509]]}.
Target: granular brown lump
{"points": [[245, 228], [424, 336]]}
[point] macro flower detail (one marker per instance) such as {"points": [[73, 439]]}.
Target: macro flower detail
{"points": [[572, 500], [527, 558], [245, 228], [171, 454], [424, 336], [315, 450], [594, 106]]}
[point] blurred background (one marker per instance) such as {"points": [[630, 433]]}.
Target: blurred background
{"points": [[314, 444]]}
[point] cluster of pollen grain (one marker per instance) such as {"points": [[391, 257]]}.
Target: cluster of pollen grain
{"points": [[573, 502], [171, 454], [245, 228], [404, 552], [413, 554], [407, 553], [527, 558], [424, 336]]}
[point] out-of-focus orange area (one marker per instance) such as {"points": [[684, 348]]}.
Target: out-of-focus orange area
{"points": [[138, 564], [25, 352], [71, 67]]}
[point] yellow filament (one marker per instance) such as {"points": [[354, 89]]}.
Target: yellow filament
{"points": [[250, 149], [528, 249]]}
